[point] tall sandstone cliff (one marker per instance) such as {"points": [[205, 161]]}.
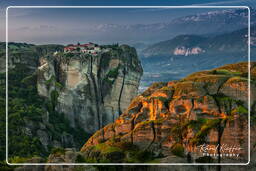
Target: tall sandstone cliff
{"points": [[91, 90], [171, 120]]}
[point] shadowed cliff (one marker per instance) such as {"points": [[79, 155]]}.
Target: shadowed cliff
{"points": [[91, 90]]}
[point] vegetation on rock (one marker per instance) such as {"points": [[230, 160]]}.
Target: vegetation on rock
{"points": [[175, 117]]}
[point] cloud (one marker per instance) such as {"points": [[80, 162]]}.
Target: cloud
{"points": [[37, 28]]}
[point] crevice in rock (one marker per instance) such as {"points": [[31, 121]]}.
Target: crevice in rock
{"points": [[121, 91], [217, 103], [253, 108], [214, 95], [220, 133], [91, 64], [113, 114], [132, 128], [221, 85], [152, 125], [192, 107], [96, 101], [56, 70], [101, 93], [113, 127], [100, 82], [103, 137], [220, 126]]}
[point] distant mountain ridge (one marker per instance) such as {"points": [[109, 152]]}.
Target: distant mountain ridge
{"points": [[213, 22], [175, 58], [223, 43]]}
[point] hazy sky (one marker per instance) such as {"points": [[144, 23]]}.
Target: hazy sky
{"points": [[42, 26], [65, 25]]}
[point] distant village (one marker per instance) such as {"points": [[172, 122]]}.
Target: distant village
{"points": [[89, 48]]}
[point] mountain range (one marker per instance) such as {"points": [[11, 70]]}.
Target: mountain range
{"points": [[223, 43], [203, 23], [183, 54]]}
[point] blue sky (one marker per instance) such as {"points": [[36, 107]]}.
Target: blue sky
{"points": [[44, 26]]}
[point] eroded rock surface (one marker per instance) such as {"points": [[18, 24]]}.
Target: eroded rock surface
{"points": [[171, 121], [91, 90]]}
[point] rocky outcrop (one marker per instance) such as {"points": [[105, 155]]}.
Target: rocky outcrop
{"points": [[24, 54], [190, 120], [91, 90]]}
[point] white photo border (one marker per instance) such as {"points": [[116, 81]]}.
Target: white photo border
{"points": [[167, 7]]}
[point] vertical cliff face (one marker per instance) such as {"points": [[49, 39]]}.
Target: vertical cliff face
{"points": [[91, 90]]}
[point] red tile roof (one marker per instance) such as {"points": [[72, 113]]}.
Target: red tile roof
{"points": [[72, 47], [69, 48], [84, 45]]}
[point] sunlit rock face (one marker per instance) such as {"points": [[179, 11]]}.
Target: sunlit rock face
{"points": [[205, 108], [92, 90]]}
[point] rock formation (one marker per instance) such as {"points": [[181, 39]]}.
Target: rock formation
{"points": [[91, 90], [178, 121]]}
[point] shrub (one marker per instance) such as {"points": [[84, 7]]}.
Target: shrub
{"points": [[69, 55], [139, 156], [126, 146], [5, 167], [144, 155], [226, 72], [50, 81], [80, 159], [178, 150], [18, 159], [113, 73], [105, 148], [29, 80], [54, 99], [205, 159], [105, 59], [90, 160], [241, 110], [58, 150], [58, 85], [106, 80]]}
